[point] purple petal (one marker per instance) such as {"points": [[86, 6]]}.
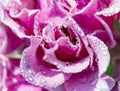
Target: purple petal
{"points": [[105, 83], [111, 10], [36, 70], [22, 23], [7, 37], [82, 3], [18, 29], [111, 42], [26, 19], [89, 80], [100, 25], [101, 51], [82, 81], [71, 60], [91, 22]]}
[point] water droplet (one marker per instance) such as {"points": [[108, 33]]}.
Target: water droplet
{"points": [[22, 70], [59, 66], [25, 75], [67, 63], [30, 78], [35, 83], [83, 79], [42, 80], [55, 63], [30, 71], [55, 85]]}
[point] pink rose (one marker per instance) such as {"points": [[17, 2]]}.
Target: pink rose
{"points": [[65, 53], [68, 42]]}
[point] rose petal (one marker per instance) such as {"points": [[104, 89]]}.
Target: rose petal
{"points": [[66, 48], [111, 42], [67, 67], [83, 81], [36, 71], [101, 51], [18, 29], [22, 22], [111, 10], [105, 83], [82, 3], [84, 20], [7, 37]]}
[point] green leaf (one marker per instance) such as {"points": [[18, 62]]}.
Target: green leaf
{"points": [[111, 69]]}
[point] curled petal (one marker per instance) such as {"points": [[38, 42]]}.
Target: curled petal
{"points": [[104, 83], [66, 66], [13, 25], [82, 81], [6, 40], [25, 21], [111, 10], [37, 71], [101, 51], [78, 67], [111, 42], [84, 20], [101, 25], [70, 54], [82, 3]]}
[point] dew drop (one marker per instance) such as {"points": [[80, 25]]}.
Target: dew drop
{"points": [[30, 71], [30, 78], [22, 70], [35, 83], [43, 81], [25, 75], [67, 63], [55, 85], [55, 63]]}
